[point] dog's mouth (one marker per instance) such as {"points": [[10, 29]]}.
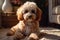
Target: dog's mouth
{"points": [[29, 18]]}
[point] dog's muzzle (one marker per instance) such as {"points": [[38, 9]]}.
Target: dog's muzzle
{"points": [[30, 16]]}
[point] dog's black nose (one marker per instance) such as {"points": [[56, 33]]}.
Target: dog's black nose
{"points": [[30, 16]]}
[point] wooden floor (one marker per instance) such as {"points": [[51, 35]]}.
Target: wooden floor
{"points": [[52, 34]]}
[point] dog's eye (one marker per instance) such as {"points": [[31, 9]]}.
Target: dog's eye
{"points": [[26, 11], [33, 11]]}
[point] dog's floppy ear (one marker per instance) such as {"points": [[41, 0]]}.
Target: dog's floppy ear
{"points": [[39, 12], [19, 14]]}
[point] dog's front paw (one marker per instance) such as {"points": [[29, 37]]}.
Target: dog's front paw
{"points": [[16, 38], [10, 33], [32, 39], [33, 36]]}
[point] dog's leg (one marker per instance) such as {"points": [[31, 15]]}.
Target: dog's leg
{"points": [[33, 36], [18, 36], [12, 30]]}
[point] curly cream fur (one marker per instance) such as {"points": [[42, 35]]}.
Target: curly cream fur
{"points": [[27, 25]]}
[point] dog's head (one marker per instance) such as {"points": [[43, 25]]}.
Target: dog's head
{"points": [[29, 12]]}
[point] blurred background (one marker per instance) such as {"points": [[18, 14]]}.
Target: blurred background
{"points": [[50, 15], [50, 21]]}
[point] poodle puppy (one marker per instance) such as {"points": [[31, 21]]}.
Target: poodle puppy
{"points": [[29, 16]]}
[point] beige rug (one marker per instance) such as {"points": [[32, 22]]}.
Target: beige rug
{"points": [[52, 34]]}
